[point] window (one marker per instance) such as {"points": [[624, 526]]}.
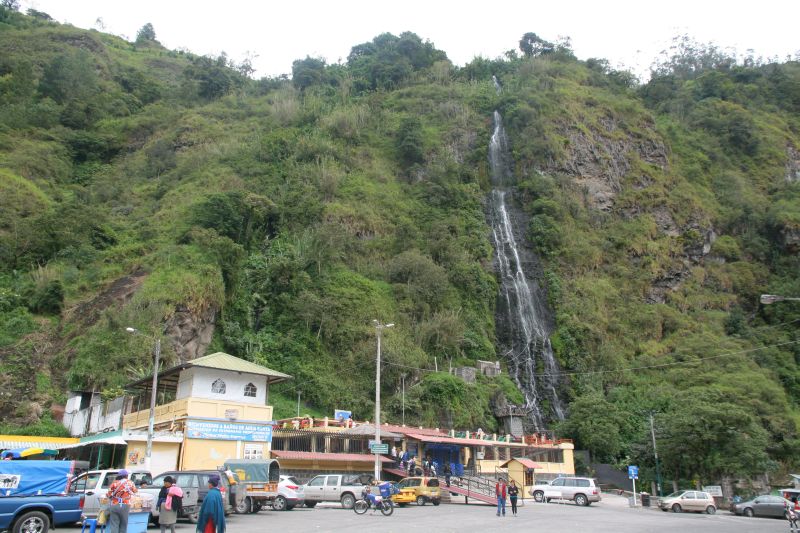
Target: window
{"points": [[332, 481], [571, 482], [218, 387], [582, 483], [250, 390], [110, 478], [413, 482], [317, 481], [253, 451], [558, 482], [433, 482], [185, 481]]}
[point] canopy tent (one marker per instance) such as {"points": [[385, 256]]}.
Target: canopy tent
{"points": [[22, 453]]}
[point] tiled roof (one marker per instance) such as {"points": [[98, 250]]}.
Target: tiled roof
{"points": [[527, 463], [340, 457], [412, 429]]}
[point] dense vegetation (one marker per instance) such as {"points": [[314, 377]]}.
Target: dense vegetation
{"points": [[294, 211]]}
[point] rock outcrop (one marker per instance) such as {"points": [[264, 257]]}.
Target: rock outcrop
{"points": [[190, 332]]}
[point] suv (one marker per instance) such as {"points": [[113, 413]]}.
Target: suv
{"points": [[194, 484], [688, 500], [290, 494], [419, 490], [582, 490]]}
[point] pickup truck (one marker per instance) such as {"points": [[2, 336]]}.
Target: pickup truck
{"points": [[94, 485], [37, 514], [344, 488], [32, 496]]}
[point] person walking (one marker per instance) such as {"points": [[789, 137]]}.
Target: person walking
{"points": [[500, 492], [513, 492], [447, 471], [212, 513], [412, 466], [119, 497], [169, 503]]}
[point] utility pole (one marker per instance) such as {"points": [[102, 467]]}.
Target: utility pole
{"points": [[378, 329], [298, 403], [655, 452], [404, 399], [148, 451]]}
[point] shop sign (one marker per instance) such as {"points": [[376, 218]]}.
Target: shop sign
{"points": [[201, 429]]}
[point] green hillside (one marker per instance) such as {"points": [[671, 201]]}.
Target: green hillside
{"points": [[275, 218]]}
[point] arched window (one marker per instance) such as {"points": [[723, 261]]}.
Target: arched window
{"points": [[218, 387], [250, 390]]}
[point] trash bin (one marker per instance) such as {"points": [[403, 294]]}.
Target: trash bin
{"points": [[645, 500]]}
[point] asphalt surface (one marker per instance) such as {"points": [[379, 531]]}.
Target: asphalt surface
{"points": [[610, 515]]}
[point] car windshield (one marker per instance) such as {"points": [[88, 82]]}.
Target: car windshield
{"points": [[676, 494]]}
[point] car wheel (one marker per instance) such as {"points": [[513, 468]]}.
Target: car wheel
{"points": [[347, 501], [289, 507], [420, 500], [193, 517], [581, 500], [748, 512], [33, 522], [538, 496], [437, 502], [711, 509], [243, 507], [676, 508], [279, 503], [310, 505]]}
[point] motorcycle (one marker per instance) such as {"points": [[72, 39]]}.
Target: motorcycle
{"points": [[368, 500]]}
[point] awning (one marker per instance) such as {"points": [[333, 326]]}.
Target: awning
{"points": [[463, 442], [22, 453], [47, 445], [116, 440], [337, 457]]}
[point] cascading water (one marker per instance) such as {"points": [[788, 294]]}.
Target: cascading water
{"points": [[523, 320]]}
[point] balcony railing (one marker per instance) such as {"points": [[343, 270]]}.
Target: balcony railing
{"points": [[200, 408]]}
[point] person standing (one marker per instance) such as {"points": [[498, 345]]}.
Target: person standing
{"points": [[447, 471], [212, 513], [513, 492], [169, 503], [394, 454], [500, 492], [412, 466], [119, 497]]}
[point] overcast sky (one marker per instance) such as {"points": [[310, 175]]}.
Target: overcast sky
{"points": [[628, 33]]}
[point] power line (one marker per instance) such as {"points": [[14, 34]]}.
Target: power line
{"points": [[634, 368]]}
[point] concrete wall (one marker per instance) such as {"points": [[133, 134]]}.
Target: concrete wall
{"points": [[208, 454], [197, 383], [99, 416]]}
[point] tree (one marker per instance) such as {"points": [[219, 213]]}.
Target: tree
{"points": [[146, 33], [307, 72], [10, 4], [409, 142], [532, 45]]}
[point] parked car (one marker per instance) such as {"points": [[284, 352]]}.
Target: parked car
{"points": [[33, 498], [582, 490], [94, 485], [344, 488], [194, 484], [290, 494], [419, 490], [688, 500], [763, 506]]}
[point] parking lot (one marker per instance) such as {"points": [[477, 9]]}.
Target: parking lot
{"points": [[611, 515]]}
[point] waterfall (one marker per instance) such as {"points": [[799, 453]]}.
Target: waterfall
{"points": [[524, 322]]}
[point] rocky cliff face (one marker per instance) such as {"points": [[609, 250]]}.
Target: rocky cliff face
{"points": [[190, 333]]}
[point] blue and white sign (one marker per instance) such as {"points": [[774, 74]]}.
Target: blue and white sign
{"points": [[201, 429], [633, 472], [341, 416]]}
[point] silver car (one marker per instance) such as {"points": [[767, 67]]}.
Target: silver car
{"points": [[290, 494], [582, 490]]}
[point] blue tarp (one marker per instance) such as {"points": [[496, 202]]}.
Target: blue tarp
{"points": [[29, 477]]}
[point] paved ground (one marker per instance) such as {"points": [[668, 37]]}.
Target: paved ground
{"points": [[611, 515]]}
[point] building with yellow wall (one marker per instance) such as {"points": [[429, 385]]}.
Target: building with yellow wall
{"points": [[219, 410]]}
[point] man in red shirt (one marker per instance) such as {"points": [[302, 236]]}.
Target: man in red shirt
{"points": [[500, 492]]}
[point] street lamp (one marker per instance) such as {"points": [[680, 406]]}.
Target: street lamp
{"points": [[655, 452], [148, 452], [767, 299], [378, 329]]}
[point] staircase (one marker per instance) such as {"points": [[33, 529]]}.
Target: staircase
{"points": [[470, 486]]}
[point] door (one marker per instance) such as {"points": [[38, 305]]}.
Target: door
{"points": [[188, 484], [570, 488], [557, 488], [332, 488], [87, 484], [315, 488], [768, 506], [691, 501]]}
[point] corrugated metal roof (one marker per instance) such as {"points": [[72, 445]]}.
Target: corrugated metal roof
{"points": [[464, 442], [340, 457], [224, 361]]}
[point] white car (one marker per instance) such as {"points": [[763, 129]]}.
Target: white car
{"points": [[290, 494]]}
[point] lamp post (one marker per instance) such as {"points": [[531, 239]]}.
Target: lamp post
{"points": [[378, 329], [148, 452], [767, 299]]}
